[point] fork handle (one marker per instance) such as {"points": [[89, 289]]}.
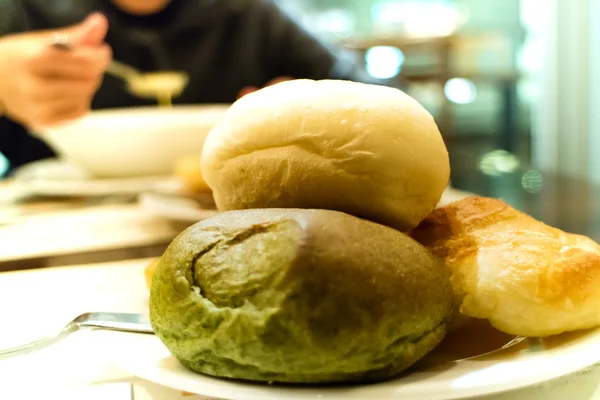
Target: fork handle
{"points": [[38, 344], [122, 322], [122, 71]]}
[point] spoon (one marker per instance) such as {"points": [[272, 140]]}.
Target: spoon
{"points": [[121, 322], [163, 86]]}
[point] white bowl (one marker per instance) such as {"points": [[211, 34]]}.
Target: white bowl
{"points": [[134, 142]]}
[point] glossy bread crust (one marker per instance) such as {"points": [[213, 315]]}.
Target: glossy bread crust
{"points": [[526, 277]]}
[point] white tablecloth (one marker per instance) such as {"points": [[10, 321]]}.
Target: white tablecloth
{"points": [[36, 303]]}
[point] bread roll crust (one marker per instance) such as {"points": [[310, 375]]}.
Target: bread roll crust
{"points": [[526, 277], [370, 151], [304, 296]]}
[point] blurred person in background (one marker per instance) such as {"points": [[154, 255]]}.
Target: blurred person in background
{"points": [[228, 47]]}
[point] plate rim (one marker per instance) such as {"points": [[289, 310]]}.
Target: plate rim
{"points": [[572, 362], [33, 183]]}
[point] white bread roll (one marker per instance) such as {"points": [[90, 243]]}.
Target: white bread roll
{"points": [[366, 150]]}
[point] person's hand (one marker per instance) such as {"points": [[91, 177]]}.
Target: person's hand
{"points": [[250, 89], [42, 85]]}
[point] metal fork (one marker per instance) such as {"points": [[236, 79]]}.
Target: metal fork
{"points": [[122, 322]]}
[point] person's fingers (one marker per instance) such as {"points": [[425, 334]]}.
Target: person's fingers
{"points": [[68, 112], [91, 32], [103, 57], [50, 101], [59, 110], [80, 63], [47, 90]]}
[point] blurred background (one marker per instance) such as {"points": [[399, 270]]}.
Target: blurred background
{"points": [[514, 85], [509, 82]]}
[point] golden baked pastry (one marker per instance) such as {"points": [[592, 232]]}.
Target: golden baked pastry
{"points": [[525, 277], [149, 272], [188, 172]]}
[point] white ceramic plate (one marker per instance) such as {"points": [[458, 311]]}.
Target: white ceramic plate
{"points": [[60, 178], [189, 211], [175, 208], [451, 195], [524, 364]]}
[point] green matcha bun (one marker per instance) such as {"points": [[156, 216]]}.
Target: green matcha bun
{"points": [[298, 296]]}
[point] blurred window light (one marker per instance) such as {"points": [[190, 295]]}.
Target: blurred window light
{"points": [[460, 90], [498, 162], [4, 165], [531, 56], [428, 94], [534, 14], [336, 21], [528, 90], [384, 62], [418, 18], [532, 181], [534, 18]]}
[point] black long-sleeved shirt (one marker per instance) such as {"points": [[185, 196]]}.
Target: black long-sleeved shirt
{"points": [[224, 45]]}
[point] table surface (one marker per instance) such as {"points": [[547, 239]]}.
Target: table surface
{"points": [[45, 234], [40, 302], [66, 236], [66, 232]]}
